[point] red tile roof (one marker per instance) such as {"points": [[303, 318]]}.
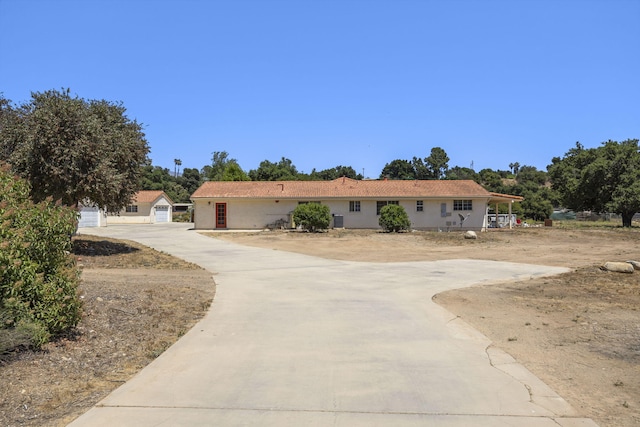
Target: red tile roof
{"points": [[149, 196], [340, 188]]}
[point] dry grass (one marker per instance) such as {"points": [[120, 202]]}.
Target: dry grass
{"points": [[136, 302]]}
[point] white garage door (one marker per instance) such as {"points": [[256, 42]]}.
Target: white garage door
{"points": [[162, 213], [89, 217]]}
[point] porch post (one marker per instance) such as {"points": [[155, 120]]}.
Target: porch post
{"points": [[510, 218], [485, 221]]}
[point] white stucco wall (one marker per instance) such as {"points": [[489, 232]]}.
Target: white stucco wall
{"points": [[257, 214], [203, 218], [146, 213], [143, 216], [114, 219]]}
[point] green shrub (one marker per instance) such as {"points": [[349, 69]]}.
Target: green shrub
{"points": [[394, 218], [182, 217], [38, 276], [312, 216]]}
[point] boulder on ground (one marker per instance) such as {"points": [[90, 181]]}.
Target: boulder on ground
{"points": [[618, 267], [636, 264], [470, 235]]}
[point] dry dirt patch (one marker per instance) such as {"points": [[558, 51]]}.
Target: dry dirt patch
{"points": [[136, 302], [579, 332], [566, 247]]}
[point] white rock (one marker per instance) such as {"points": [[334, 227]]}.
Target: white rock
{"points": [[636, 264], [618, 267], [470, 235]]}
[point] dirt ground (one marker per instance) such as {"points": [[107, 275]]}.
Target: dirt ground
{"points": [[136, 303], [579, 332]]}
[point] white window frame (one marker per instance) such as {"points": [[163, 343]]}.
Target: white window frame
{"points": [[354, 206], [463, 205]]}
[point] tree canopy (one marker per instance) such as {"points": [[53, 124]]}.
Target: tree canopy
{"points": [[284, 170], [72, 149], [459, 172], [158, 178], [602, 179], [434, 166], [224, 169], [335, 173], [398, 169], [437, 163]]}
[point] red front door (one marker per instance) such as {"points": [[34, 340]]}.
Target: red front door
{"points": [[221, 215]]}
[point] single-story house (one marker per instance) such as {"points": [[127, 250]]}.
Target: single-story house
{"points": [[147, 207], [431, 205]]}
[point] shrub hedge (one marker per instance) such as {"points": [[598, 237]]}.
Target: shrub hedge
{"points": [[38, 275], [394, 218], [312, 216]]}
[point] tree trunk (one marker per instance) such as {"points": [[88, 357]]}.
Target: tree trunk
{"points": [[626, 218]]}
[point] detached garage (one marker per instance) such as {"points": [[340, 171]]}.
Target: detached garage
{"points": [[92, 216], [147, 207]]}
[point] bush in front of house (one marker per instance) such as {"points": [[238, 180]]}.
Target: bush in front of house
{"points": [[182, 217], [394, 218], [312, 216], [38, 275]]}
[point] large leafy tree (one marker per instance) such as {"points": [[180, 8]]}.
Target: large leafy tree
{"points": [[335, 173], [284, 170], [434, 166], [398, 169], [420, 169], [536, 206], [602, 179], [491, 180], [224, 168], [459, 172], [437, 163], [530, 174], [159, 178], [190, 180], [72, 149]]}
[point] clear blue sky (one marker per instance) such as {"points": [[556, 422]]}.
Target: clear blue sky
{"points": [[340, 82]]}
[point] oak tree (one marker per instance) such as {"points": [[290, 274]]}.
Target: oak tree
{"points": [[602, 179], [72, 149]]}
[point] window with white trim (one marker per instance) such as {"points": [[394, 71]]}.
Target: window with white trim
{"points": [[462, 205], [132, 208], [354, 206], [419, 206]]}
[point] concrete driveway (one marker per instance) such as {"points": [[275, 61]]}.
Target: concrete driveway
{"points": [[295, 340]]}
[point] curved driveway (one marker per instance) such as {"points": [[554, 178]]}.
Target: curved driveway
{"points": [[294, 340]]}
